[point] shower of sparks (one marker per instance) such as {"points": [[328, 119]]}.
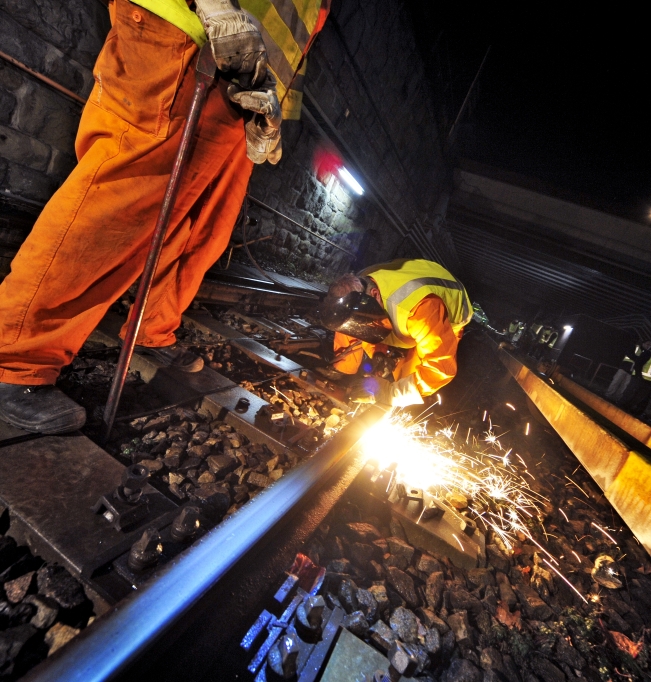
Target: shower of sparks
{"points": [[610, 537], [459, 541], [564, 514], [577, 556], [496, 490]]}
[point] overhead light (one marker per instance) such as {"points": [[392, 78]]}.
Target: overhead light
{"points": [[567, 328], [346, 176]]}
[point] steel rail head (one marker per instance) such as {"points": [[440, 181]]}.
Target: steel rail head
{"points": [[115, 642], [206, 71]]}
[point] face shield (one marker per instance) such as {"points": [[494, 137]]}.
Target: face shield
{"points": [[355, 314]]}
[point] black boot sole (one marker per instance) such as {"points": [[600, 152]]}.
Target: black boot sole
{"points": [[61, 424]]}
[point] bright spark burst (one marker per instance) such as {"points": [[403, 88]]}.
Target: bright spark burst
{"points": [[496, 491]]}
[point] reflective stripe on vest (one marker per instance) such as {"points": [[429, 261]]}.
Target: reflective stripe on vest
{"points": [[288, 28], [404, 283]]}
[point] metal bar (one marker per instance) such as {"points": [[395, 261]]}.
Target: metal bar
{"points": [[259, 203], [205, 76], [44, 79], [118, 639], [622, 473]]}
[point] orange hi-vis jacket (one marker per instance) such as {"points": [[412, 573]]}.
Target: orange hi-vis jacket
{"points": [[427, 323]]}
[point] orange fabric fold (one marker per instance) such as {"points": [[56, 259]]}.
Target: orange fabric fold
{"points": [[90, 243]]}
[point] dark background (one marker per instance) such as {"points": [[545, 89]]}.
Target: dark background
{"points": [[562, 97]]}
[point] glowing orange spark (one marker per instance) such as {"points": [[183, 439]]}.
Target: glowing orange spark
{"points": [[565, 579], [610, 537]]}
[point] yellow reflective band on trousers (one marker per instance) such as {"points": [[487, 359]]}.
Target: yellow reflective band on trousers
{"points": [[404, 283], [178, 14]]}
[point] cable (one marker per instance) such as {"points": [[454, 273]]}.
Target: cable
{"points": [[244, 219]]}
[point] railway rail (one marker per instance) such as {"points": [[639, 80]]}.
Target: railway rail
{"points": [[252, 462]]}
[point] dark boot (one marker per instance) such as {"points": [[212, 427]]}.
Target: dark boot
{"points": [[174, 356], [40, 409]]}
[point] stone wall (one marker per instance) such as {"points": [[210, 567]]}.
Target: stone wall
{"points": [[366, 89], [37, 123], [367, 100]]}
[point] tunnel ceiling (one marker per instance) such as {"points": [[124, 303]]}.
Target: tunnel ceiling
{"points": [[549, 271]]}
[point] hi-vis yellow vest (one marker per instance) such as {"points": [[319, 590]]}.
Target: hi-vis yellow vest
{"points": [[288, 28], [404, 283]]}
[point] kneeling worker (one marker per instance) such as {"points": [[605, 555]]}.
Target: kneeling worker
{"points": [[414, 304]]}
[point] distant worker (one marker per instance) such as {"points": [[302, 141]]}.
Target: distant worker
{"points": [[622, 378], [413, 304], [638, 391]]}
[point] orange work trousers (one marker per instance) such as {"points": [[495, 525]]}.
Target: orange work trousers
{"points": [[90, 242]]}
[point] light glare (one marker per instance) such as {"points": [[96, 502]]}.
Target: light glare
{"points": [[346, 176]]}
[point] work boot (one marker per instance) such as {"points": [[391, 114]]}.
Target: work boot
{"points": [[40, 409], [174, 356]]}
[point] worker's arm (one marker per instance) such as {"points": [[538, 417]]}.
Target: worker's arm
{"points": [[351, 359], [433, 362]]}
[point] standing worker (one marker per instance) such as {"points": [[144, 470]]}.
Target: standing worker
{"points": [[90, 243], [413, 304]]}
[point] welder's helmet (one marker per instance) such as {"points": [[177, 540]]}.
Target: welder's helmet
{"points": [[355, 314]]}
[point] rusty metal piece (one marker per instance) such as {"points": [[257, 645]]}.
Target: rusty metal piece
{"points": [[205, 76], [145, 552], [133, 481], [186, 524], [126, 506]]}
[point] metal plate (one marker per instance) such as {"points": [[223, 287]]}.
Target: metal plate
{"points": [[50, 486], [353, 659], [257, 351]]}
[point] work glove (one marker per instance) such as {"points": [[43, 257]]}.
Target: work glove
{"points": [[401, 393], [262, 125], [236, 42]]}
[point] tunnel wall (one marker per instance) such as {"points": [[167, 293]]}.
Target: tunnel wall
{"points": [[368, 101], [37, 123]]}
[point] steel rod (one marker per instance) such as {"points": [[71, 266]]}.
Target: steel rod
{"points": [[44, 79], [205, 76], [117, 640], [259, 203]]}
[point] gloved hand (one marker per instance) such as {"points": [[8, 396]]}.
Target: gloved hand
{"points": [[236, 42], [263, 127], [401, 393]]}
